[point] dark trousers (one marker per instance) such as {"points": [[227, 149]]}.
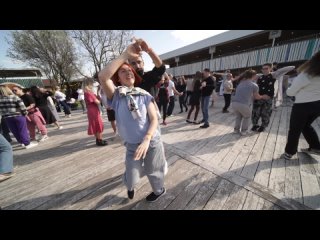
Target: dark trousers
{"points": [[196, 113], [164, 104], [171, 106], [189, 94], [182, 102], [302, 116], [65, 106], [227, 100], [4, 130]]}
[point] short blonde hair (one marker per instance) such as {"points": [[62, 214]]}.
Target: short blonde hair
{"points": [[5, 91], [87, 84]]}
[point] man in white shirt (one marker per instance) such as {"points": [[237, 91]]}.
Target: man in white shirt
{"points": [[81, 99], [172, 90], [61, 98]]}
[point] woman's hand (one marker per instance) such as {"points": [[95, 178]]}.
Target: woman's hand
{"points": [[141, 45], [142, 149], [133, 51]]}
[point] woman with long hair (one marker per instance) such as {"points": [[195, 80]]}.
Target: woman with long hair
{"points": [[95, 124], [306, 108], [195, 97]]}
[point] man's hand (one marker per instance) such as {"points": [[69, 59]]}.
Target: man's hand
{"points": [[141, 44], [133, 51]]}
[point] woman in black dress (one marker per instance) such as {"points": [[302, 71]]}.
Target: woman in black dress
{"points": [[195, 98]]}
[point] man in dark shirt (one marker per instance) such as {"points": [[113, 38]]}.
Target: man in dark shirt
{"points": [[263, 108], [207, 87], [151, 78]]}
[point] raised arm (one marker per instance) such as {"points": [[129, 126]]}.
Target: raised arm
{"points": [[108, 71], [282, 71], [145, 47]]}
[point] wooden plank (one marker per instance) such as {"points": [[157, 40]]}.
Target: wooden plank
{"points": [[118, 196], [203, 195], [220, 195], [174, 188], [260, 156], [242, 157], [230, 157], [264, 167], [57, 180], [277, 173], [293, 181], [236, 199], [258, 189], [311, 190], [267, 205], [109, 178], [188, 193], [251, 201], [144, 189]]}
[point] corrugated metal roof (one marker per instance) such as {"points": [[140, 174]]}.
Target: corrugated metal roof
{"points": [[19, 72], [27, 83], [212, 41]]}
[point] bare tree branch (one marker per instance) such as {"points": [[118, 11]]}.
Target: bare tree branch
{"points": [[50, 50], [101, 46]]}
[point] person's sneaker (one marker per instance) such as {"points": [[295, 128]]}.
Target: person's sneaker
{"points": [[5, 176], [130, 194], [261, 129], [164, 123], [225, 111], [180, 112], [43, 138], [31, 145], [286, 156], [60, 127], [310, 151], [204, 126], [188, 121], [255, 128], [153, 197], [100, 142]]}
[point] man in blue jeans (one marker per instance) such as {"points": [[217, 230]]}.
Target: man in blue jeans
{"points": [[207, 87]]}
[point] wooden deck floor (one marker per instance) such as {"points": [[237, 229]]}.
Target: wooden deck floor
{"points": [[209, 168]]}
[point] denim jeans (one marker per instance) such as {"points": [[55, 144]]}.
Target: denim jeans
{"points": [[6, 156], [205, 108]]}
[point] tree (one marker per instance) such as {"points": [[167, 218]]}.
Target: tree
{"points": [[52, 51], [101, 46]]}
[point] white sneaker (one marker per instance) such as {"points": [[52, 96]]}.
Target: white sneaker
{"points": [[31, 145], [60, 127], [43, 138]]}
